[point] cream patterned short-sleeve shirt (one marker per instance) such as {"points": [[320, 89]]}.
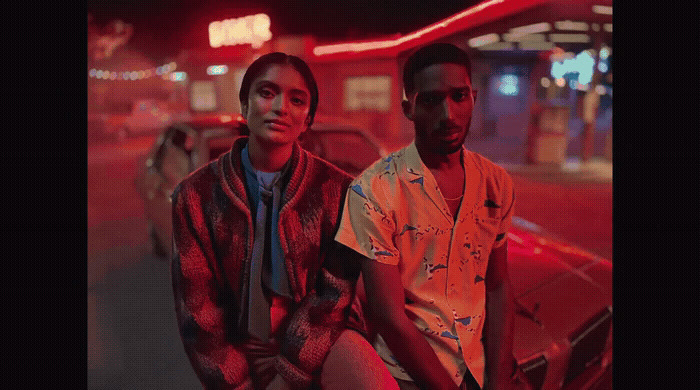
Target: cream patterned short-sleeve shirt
{"points": [[394, 213]]}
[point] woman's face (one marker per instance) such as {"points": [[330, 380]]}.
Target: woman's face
{"points": [[278, 106]]}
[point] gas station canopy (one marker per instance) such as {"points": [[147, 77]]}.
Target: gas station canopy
{"points": [[499, 25]]}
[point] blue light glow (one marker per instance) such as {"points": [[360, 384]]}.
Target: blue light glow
{"points": [[178, 76], [585, 63], [508, 85], [217, 70], [558, 70], [582, 64]]}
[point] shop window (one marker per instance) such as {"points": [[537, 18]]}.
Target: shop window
{"points": [[203, 96], [371, 93]]}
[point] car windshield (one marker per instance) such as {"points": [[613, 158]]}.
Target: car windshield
{"points": [[337, 144]]}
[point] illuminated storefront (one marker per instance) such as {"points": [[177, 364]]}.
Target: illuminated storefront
{"points": [[528, 55]]}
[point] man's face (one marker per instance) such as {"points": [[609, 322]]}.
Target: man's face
{"points": [[278, 105], [441, 107]]}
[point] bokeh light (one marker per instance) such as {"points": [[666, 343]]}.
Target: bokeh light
{"points": [[217, 70], [544, 81], [508, 85]]}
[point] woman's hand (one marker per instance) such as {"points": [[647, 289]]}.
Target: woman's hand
{"points": [[261, 356], [255, 348], [264, 371]]}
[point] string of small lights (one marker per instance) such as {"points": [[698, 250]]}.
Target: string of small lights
{"points": [[165, 71]]}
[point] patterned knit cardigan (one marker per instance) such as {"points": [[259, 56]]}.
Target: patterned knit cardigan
{"points": [[212, 245]]}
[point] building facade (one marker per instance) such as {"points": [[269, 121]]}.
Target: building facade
{"points": [[543, 69]]}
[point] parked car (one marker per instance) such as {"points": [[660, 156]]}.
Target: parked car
{"points": [[183, 147], [563, 322], [332, 142], [179, 149], [147, 116]]}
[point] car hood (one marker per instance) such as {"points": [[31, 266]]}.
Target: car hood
{"points": [[557, 286]]}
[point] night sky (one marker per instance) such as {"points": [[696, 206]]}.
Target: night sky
{"points": [[161, 28]]}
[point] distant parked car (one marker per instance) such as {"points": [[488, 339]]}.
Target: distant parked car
{"points": [[563, 322], [147, 117]]}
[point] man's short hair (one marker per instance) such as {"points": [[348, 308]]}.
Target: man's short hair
{"points": [[435, 53]]}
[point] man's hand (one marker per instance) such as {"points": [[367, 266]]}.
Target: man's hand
{"points": [[498, 328], [385, 307]]}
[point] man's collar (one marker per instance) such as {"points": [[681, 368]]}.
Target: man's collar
{"points": [[416, 172], [415, 165]]}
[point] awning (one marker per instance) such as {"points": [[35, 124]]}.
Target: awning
{"points": [[514, 24]]}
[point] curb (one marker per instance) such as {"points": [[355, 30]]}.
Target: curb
{"points": [[595, 170]]}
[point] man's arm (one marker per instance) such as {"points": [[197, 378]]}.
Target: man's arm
{"points": [[385, 307], [217, 363], [498, 329]]}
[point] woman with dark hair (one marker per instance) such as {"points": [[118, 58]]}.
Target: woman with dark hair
{"points": [[261, 288]]}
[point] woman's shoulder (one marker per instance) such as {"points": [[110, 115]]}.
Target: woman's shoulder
{"points": [[199, 182]]}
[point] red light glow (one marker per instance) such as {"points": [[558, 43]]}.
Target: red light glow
{"points": [[251, 29]]}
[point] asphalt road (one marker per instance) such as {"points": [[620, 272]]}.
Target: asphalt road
{"points": [[133, 342]]}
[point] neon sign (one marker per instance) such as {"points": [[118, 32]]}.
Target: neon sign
{"points": [[582, 64], [251, 29], [217, 70]]}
